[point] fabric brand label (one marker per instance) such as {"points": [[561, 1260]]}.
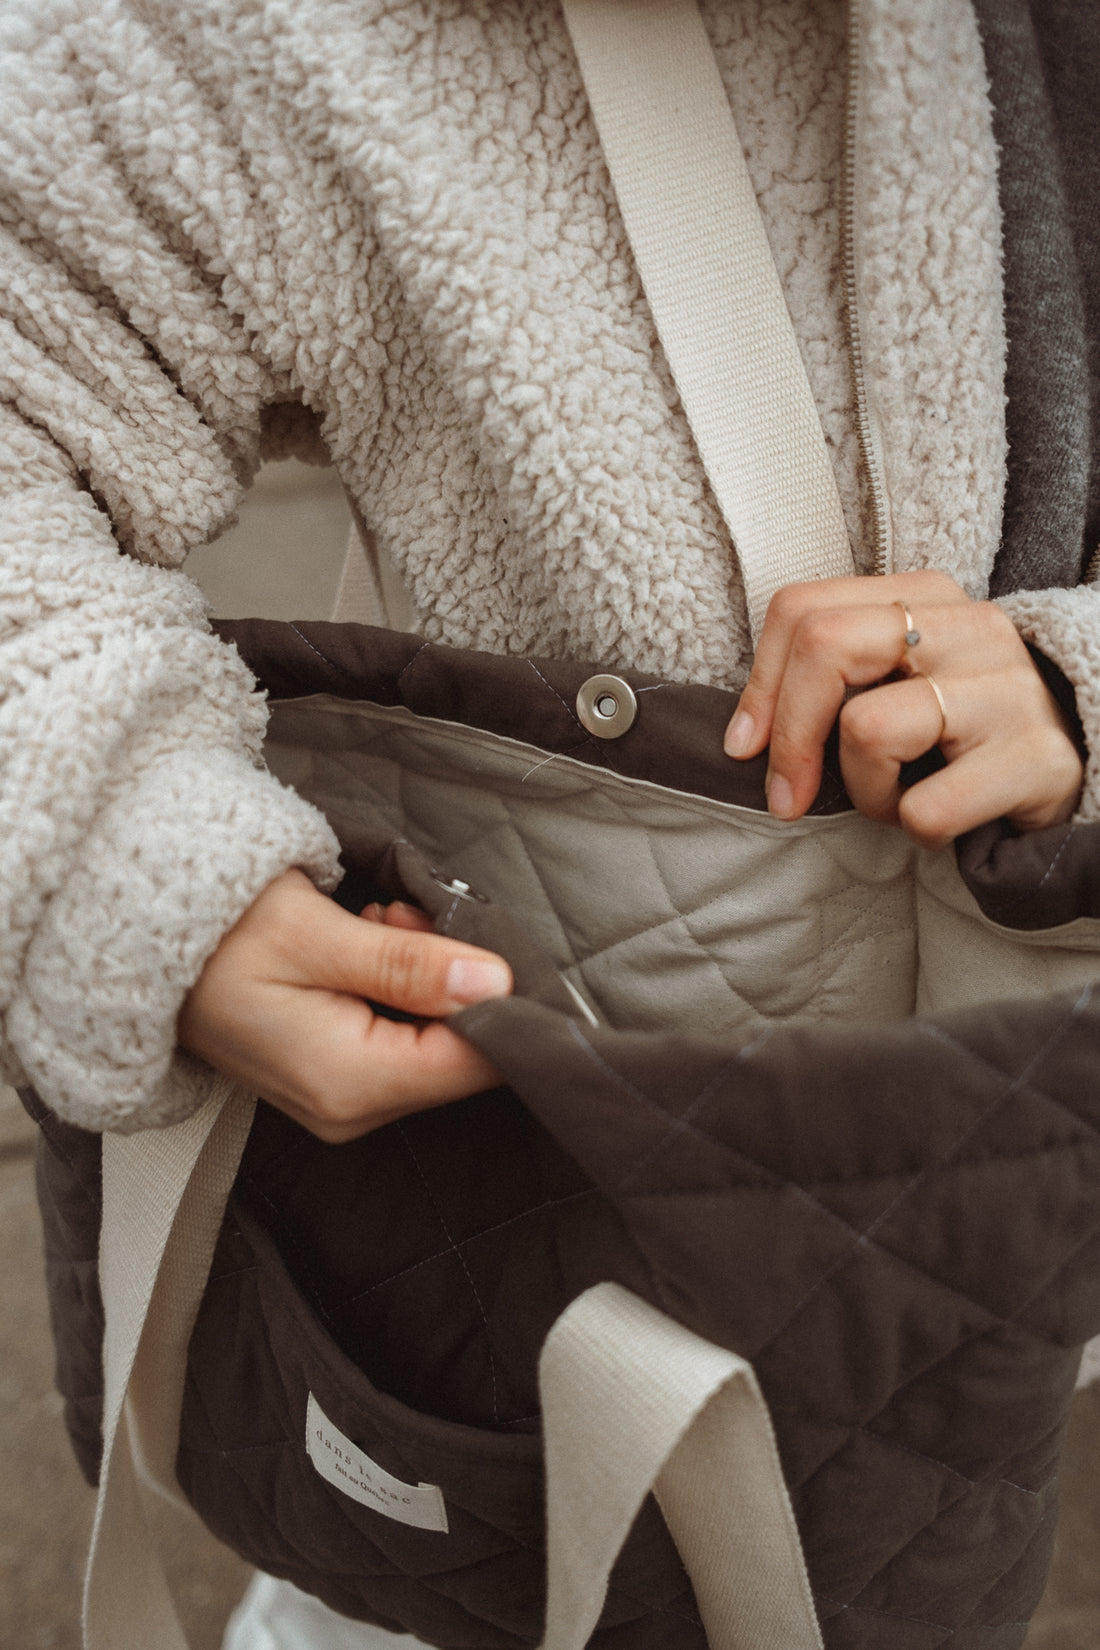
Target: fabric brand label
{"points": [[350, 1469]]}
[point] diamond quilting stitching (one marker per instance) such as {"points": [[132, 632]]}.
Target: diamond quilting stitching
{"points": [[556, 695], [404, 801], [1039, 1093], [678, 916], [1009, 1084], [386, 744], [456, 1249], [468, 1242], [340, 670], [684, 1123], [892, 1615]]}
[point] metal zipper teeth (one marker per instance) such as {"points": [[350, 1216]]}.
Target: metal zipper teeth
{"points": [[870, 444], [1092, 571]]}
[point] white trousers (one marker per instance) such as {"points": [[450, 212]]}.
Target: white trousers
{"points": [[273, 1615]]}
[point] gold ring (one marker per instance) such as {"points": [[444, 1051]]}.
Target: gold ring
{"points": [[909, 639], [935, 686]]}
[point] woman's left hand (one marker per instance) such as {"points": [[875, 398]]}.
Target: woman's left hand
{"points": [[1008, 751]]}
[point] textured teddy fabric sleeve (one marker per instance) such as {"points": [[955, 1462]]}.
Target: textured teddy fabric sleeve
{"points": [[1065, 625], [138, 819]]}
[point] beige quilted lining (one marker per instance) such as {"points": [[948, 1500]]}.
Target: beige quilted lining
{"points": [[664, 908]]}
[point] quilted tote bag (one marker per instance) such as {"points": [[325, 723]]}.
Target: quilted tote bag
{"points": [[814, 1268], [788, 1212]]}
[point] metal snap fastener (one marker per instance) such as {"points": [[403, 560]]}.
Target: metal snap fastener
{"points": [[607, 707], [456, 886]]}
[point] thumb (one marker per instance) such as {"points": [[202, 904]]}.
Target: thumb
{"points": [[419, 972]]}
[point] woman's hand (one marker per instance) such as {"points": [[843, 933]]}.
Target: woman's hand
{"points": [[280, 1007], [1008, 751]]}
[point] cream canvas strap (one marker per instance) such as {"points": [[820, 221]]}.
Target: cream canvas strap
{"points": [[164, 1194], [699, 242], [701, 249], [632, 1401]]}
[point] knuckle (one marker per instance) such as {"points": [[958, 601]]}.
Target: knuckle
{"points": [[322, 1094], [876, 805], [863, 722], [1057, 759], [817, 634], [403, 968], [787, 604], [789, 757], [926, 818], [336, 1106], [994, 626]]}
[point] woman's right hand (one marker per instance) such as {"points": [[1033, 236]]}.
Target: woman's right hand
{"points": [[280, 1007]]}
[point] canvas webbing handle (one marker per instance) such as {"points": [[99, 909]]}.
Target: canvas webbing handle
{"points": [[702, 252], [164, 1194], [701, 249], [632, 1401]]}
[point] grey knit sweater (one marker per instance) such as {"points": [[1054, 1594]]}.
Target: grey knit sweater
{"points": [[395, 217]]}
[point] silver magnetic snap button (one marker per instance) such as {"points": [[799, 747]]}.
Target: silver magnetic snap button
{"points": [[607, 707]]}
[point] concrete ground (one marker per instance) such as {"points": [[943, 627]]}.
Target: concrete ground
{"points": [[45, 1507]]}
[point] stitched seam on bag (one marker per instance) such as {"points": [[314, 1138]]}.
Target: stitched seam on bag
{"points": [[860, 1239], [406, 668], [537, 874], [588, 739], [890, 1615], [683, 1125], [304, 1276], [1071, 831], [936, 1363], [864, 1429], [842, 942], [461, 1243], [1014, 1086], [462, 1262], [233, 1272], [1074, 1013], [1014, 901], [681, 916], [1033, 1154], [342, 670], [425, 1575]]}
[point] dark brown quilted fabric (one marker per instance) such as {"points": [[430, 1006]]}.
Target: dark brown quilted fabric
{"points": [[899, 1225]]}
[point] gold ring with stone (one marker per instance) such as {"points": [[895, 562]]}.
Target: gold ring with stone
{"points": [[935, 686], [910, 638]]}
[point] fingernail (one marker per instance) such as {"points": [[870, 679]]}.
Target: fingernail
{"points": [[739, 734], [780, 797], [471, 981]]}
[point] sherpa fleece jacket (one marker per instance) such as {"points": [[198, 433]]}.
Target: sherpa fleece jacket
{"points": [[238, 227]]}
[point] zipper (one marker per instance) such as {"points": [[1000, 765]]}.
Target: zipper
{"points": [[870, 442], [1092, 571]]}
